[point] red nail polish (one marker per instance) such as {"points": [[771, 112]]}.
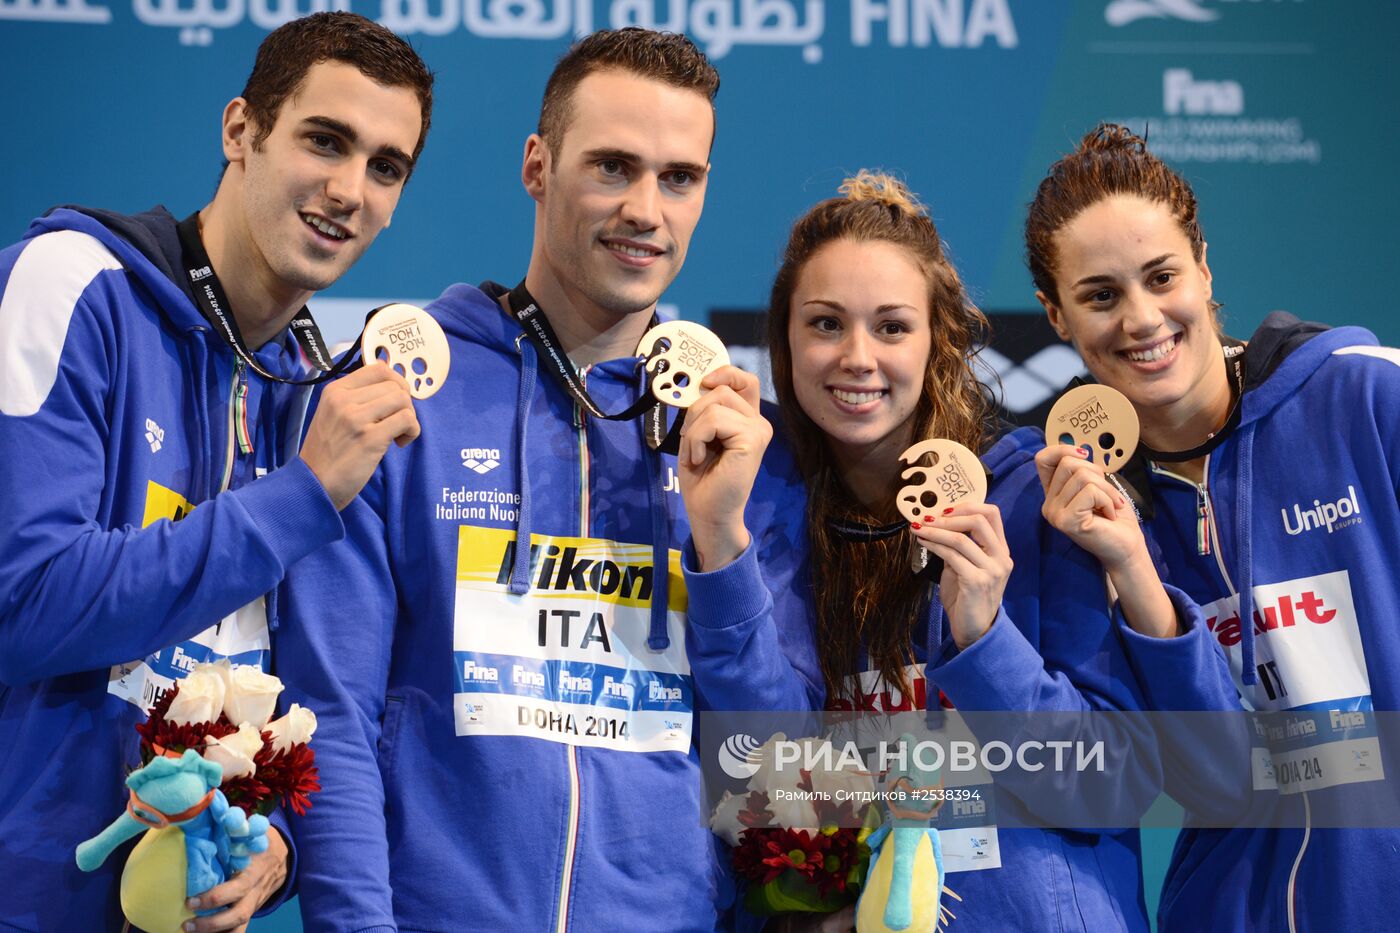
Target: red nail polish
{"points": [[948, 511], [915, 525]]}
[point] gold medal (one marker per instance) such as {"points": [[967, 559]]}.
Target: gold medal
{"points": [[679, 354], [943, 473], [409, 340], [1097, 419]]}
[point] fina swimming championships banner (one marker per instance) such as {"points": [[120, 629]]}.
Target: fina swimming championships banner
{"points": [[1278, 111]]}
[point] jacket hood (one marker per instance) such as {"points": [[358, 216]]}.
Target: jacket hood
{"points": [[146, 244], [1012, 451], [1283, 354]]}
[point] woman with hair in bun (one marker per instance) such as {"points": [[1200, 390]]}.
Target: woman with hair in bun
{"points": [[1272, 475], [872, 337]]}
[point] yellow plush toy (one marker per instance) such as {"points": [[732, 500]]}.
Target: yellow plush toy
{"points": [[152, 889], [903, 890]]}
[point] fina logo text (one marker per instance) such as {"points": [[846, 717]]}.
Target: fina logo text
{"points": [[1184, 94], [1330, 515]]}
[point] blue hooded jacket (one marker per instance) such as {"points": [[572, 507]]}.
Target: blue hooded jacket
{"points": [[118, 551], [1297, 514], [505, 733], [1056, 645]]}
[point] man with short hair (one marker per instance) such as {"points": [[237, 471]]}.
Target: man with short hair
{"points": [[151, 492], [510, 741]]}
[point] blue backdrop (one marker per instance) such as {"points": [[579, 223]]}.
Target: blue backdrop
{"points": [[1279, 111]]}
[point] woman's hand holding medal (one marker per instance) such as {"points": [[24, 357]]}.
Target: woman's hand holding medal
{"points": [[1100, 430], [1083, 504], [969, 539], [945, 503]]}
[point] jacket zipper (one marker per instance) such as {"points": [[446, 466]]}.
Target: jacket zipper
{"points": [[237, 422], [240, 409], [561, 924], [1207, 532]]}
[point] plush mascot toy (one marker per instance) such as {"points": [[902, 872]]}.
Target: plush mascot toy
{"points": [[193, 840], [904, 884]]}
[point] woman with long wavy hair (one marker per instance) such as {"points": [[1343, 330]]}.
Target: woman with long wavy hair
{"points": [[872, 338]]}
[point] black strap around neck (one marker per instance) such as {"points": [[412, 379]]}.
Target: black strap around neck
{"points": [[213, 303], [1234, 368], [535, 323]]}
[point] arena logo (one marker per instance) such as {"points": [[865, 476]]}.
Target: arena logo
{"points": [[1123, 12], [1026, 386], [481, 459]]}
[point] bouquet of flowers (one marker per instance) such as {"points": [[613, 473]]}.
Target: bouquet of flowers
{"points": [[799, 834], [222, 711], [214, 764]]}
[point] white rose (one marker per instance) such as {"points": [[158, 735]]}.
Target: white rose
{"points": [[251, 696], [235, 752], [199, 699], [770, 775], [725, 822], [778, 779], [839, 785], [295, 728]]}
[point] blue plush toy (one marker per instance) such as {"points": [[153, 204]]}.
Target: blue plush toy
{"points": [[904, 883], [191, 831]]}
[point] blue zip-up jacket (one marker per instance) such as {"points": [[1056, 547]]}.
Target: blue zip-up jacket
{"points": [[505, 733], [115, 418], [1056, 645], [1299, 512]]}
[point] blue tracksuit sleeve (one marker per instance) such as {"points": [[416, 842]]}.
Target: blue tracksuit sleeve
{"points": [[741, 656], [333, 652], [749, 634], [1075, 665], [78, 597], [1187, 672]]}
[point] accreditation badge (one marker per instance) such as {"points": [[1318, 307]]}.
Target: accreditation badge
{"points": [[1315, 725], [242, 637], [966, 822], [568, 662]]}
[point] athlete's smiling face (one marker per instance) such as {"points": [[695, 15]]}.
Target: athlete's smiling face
{"points": [[323, 184], [860, 338], [1136, 305], [622, 191]]}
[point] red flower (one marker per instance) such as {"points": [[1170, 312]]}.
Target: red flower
{"points": [[755, 814], [747, 856], [843, 851], [796, 849], [290, 775]]}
